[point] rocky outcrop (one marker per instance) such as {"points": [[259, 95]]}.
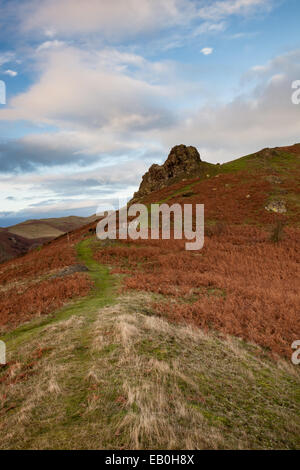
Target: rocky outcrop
{"points": [[276, 206], [182, 161]]}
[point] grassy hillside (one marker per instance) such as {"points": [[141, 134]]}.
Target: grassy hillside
{"points": [[52, 227], [237, 192], [19, 239], [143, 345], [67, 224], [35, 229], [106, 372]]}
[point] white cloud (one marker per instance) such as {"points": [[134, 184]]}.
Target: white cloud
{"points": [[106, 112], [50, 33], [284, 63], [264, 117], [36, 195], [99, 108], [224, 8], [126, 18], [209, 27], [6, 57], [50, 44], [259, 68], [77, 91], [113, 19], [207, 50], [11, 73]]}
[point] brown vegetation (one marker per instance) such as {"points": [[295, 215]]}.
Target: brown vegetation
{"points": [[240, 283], [20, 305], [27, 289]]}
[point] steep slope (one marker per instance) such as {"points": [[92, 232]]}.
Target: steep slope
{"points": [[12, 245]]}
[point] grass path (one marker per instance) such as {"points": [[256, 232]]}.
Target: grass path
{"points": [[102, 294], [106, 373], [34, 336]]}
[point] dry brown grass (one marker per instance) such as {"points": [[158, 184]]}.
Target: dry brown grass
{"points": [[123, 379], [28, 300]]}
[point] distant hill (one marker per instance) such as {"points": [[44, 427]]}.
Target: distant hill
{"points": [[18, 239]]}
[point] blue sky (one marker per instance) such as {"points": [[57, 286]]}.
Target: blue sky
{"points": [[97, 91]]}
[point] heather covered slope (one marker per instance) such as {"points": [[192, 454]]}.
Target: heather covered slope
{"points": [[12, 245], [107, 373], [245, 280], [42, 280], [250, 276], [141, 344], [239, 191]]}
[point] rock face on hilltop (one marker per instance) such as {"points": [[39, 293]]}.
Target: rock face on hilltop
{"points": [[182, 161]]}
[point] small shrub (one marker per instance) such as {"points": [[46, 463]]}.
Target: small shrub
{"points": [[277, 232]]}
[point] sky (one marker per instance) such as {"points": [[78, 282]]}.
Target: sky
{"points": [[98, 90]]}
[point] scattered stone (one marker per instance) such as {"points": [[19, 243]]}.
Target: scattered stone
{"points": [[276, 206], [274, 179], [76, 268]]}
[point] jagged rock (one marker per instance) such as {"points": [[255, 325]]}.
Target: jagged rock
{"points": [[182, 160]]}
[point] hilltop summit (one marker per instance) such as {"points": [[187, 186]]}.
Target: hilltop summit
{"points": [[181, 161]]}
